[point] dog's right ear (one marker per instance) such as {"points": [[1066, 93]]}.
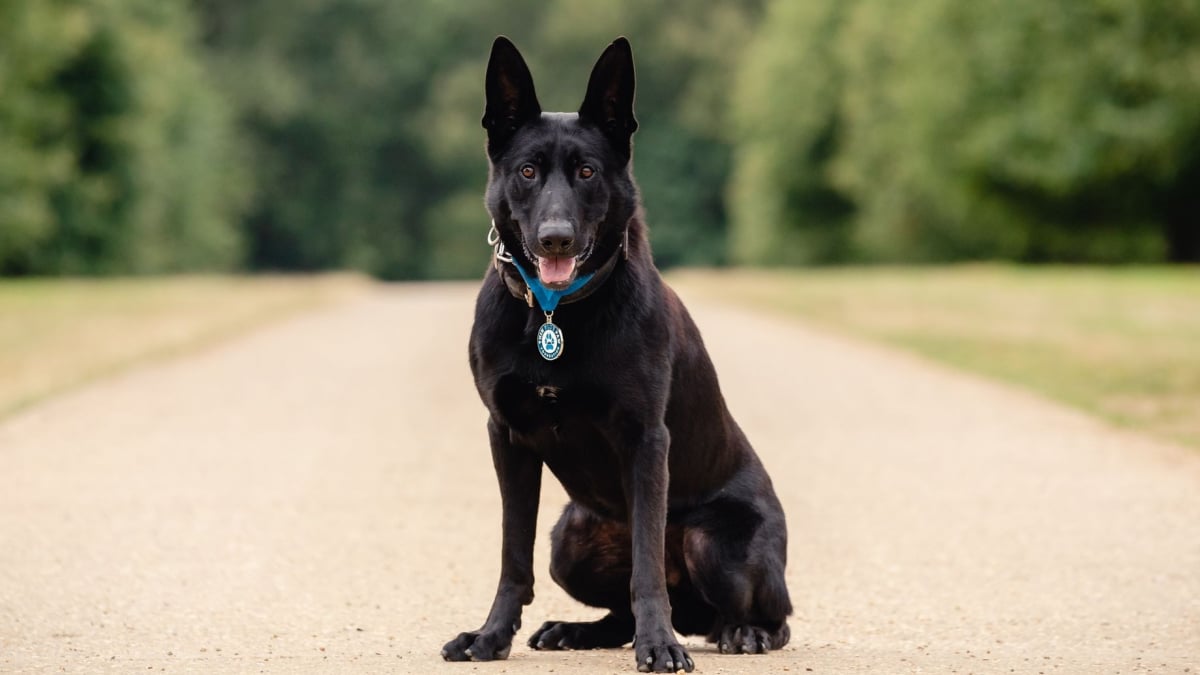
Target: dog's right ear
{"points": [[511, 100]]}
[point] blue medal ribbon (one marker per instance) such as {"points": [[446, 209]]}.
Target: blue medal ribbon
{"points": [[548, 299]]}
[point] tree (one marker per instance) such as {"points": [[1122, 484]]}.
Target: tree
{"points": [[789, 117], [1054, 132], [362, 120], [111, 141], [1028, 130]]}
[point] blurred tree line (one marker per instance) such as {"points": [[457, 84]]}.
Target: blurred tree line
{"points": [[928, 130], [145, 136], [115, 146]]}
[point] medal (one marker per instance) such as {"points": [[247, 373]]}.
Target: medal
{"points": [[549, 336], [549, 339]]}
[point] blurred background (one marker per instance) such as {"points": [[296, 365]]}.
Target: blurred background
{"points": [[1004, 188], [149, 136], [1007, 186]]}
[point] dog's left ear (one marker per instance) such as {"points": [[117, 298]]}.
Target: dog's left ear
{"points": [[609, 100]]}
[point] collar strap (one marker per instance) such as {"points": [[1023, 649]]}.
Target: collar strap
{"points": [[524, 286]]}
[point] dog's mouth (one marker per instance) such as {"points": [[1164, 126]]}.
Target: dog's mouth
{"points": [[556, 272]]}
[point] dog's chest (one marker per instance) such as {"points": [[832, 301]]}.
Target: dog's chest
{"points": [[563, 422], [530, 403]]}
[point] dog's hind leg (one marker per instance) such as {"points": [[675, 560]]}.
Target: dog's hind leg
{"points": [[612, 630], [591, 560], [740, 573]]}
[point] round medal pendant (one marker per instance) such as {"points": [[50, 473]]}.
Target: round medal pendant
{"points": [[549, 341]]}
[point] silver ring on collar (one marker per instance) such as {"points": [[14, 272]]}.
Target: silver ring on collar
{"points": [[498, 250]]}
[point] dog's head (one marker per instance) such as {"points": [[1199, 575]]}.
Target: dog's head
{"points": [[560, 189]]}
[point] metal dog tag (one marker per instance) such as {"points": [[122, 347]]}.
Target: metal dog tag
{"points": [[550, 339]]}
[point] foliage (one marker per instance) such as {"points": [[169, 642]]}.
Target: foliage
{"points": [[787, 119], [112, 145], [1034, 131], [363, 121], [162, 135]]}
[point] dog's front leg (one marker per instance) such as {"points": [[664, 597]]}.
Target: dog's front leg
{"points": [[519, 473], [646, 481]]}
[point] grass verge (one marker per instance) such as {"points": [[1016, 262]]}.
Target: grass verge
{"points": [[1123, 343], [56, 333]]}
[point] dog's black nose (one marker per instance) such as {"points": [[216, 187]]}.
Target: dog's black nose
{"points": [[556, 236]]}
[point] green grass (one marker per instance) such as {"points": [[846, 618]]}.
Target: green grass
{"points": [[56, 333], [1122, 343]]}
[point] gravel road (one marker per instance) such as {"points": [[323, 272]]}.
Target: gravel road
{"points": [[318, 497]]}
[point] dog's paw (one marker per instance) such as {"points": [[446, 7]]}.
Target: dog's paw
{"points": [[476, 646], [744, 640], [556, 635], [661, 656], [585, 635]]}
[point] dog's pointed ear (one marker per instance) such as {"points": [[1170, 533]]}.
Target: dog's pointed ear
{"points": [[609, 100], [511, 100]]}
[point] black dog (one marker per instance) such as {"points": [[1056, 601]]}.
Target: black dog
{"points": [[673, 521]]}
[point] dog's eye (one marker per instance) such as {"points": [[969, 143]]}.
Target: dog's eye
{"points": [[586, 171], [528, 171]]}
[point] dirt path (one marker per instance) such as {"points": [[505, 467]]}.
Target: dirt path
{"points": [[318, 496]]}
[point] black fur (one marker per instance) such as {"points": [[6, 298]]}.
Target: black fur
{"points": [[673, 522]]}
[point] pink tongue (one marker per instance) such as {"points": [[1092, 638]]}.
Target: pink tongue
{"points": [[555, 270]]}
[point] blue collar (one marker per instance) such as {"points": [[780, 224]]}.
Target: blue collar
{"points": [[547, 298]]}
